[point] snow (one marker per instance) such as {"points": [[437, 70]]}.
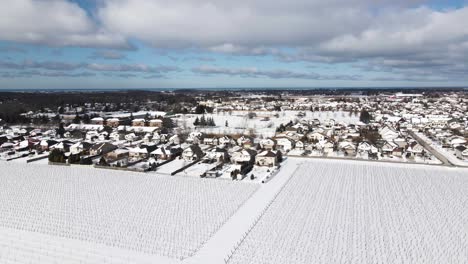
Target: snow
{"points": [[20, 247], [172, 166], [222, 243], [156, 215], [197, 170], [239, 123], [450, 156], [363, 212], [311, 211]]}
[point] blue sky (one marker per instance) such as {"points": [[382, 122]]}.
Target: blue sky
{"points": [[245, 43]]}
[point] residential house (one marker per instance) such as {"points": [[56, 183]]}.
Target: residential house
{"points": [[175, 139], [166, 152], [217, 155], [246, 142], [113, 122], [388, 133], [401, 142], [268, 158], [138, 153], [117, 154], [46, 143], [299, 145], [366, 147], [101, 148], [213, 141], [348, 148], [155, 123], [398, 152], [192, 153], [195, 138], [315, 136], [97, 121], [284, 144], [415, 149], [243, 156], [268, 144], [138, 122], [388, 147], [326, 146], [80, 147], [227, 141], [461, 152]]}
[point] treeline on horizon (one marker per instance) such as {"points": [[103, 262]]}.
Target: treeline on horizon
{"points": [[13, 104]]}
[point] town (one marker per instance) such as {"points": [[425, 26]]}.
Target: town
{"points": [[243, 136]]}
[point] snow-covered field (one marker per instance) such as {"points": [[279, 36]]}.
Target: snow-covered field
{"points": [[362, 212], [312, 211], [239, 122], [145, 213]]}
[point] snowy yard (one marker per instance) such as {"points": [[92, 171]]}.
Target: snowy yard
{"points": [[171, 166], [361, 212], [145, 213], [197, 170]]}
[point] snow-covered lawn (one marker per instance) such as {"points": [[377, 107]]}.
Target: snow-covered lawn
{"points": [[197, 170], [171, 166], [146, 213], [362, 212]]}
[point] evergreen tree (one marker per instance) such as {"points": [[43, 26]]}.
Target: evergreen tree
{"points": [[197, 122], [86, 119], [203, 121], [77, 119], [61, 130], [365, 117]]}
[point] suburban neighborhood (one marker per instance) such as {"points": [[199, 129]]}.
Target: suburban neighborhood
{"points": [[246, 137]]}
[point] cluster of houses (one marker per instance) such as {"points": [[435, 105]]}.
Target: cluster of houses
{"points": [[136, 141], [141, 151], [330, 138]]}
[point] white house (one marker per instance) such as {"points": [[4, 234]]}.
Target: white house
{"points": [[388, 147], [243, 156], [300, 145], [315, 136], [138, 153], [192, 153], [210, 141], [415, 148], [268, 144], [388, 133], [284, 144], [366, 147]]}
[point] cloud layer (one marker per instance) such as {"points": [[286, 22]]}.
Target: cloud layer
{"points": [[29, 68], [399, 38]]}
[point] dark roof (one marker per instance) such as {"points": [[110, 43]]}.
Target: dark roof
{"points": [[460, 148], [270, 154]]}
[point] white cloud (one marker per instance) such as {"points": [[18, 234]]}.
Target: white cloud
{"points": [[237, 23], [53, 22]]}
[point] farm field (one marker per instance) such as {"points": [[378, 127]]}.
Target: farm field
{"points": [[362, 212], [145, 213]]}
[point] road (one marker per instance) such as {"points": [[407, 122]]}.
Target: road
{"points": [[434, 152]]}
